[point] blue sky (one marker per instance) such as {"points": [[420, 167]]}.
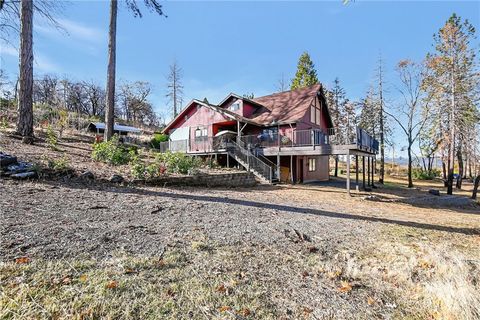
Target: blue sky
{"points": [[242, 47]]}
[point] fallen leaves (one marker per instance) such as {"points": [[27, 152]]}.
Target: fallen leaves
{"points": [[345, 287], [111, 284], [22, 260], [370, 301], [224, 309]]}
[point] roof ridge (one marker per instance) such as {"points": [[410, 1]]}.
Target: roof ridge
{"points": [[291, 90]]}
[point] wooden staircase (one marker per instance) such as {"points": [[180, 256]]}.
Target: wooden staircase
{"points": [[263, 171]]}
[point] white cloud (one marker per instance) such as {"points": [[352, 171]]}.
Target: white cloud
{"points": [[7, 49], [78, 30], [40, 62], [44, 64], [73, 29]]}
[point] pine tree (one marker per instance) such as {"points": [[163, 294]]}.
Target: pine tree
{"points": [[454, 86], [306, 74]]}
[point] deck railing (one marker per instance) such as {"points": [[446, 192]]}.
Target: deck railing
{"points": [[251, 161], [297, 138], [311, 137]]}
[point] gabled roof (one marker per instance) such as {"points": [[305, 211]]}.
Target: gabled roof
{"points": [[285, 107], [278, 108], [225, 112]]}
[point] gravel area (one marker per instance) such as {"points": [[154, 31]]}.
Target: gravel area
{"points": [[52, 220]]}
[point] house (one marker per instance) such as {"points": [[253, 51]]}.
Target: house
{"points": [[287, 135]]}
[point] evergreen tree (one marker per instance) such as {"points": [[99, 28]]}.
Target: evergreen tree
{"points": [[306, 74], [454, 86]]}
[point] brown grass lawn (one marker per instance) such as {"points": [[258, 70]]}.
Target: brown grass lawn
{"points": [[75, 250]]}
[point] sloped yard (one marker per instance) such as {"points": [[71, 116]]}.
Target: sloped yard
{"points": [[74, 249]]}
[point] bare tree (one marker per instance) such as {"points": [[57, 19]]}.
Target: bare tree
{"points": [[175, 88], [381, 118], [413, 112], [132, 5], [282, 84]]}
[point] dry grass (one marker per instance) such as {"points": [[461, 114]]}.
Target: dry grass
{"points": [[129, 287], [427, 280]]}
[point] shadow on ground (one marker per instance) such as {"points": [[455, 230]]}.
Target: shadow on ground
{"points": [[240, 202]]}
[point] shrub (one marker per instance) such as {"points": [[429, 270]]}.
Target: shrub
{"points": [[420, 174], [60, 164], [52, 138], [112, 152], [157, 139], [177, 162]]}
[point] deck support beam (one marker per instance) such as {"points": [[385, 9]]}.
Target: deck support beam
{"points": [[356, 170], [373, 172], [348, 172], [363, 171], [228, 160], [368, 171]]}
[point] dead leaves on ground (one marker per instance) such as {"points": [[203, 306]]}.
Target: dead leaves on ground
{"points": [[345, 287], [23, 260], [111, 284], [245, 312]]}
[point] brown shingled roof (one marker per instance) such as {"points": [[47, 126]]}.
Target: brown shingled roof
{"points": [[285, 107]]}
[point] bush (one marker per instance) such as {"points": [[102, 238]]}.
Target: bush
{"points": [[157, 139], [52, 138], [112, 152], [420, 174], [61, 164], [177, 162]]}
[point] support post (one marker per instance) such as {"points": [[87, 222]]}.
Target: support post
{"points": [[228, 160], [363, 171], [356, 170], [368, 171], [278, 166], [291, 169], [348, 172], [373, 172]]}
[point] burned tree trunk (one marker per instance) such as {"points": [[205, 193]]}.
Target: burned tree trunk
{"points": [[25, 92]]}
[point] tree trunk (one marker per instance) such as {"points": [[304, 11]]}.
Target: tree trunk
{"points": [[444, 171], [475, 187], [110, 103], [410, 180], [460, 168], [25, 92]]}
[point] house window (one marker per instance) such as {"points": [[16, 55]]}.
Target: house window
{"points": [[312, 164], [312, 114], [201, 133], [235, 106]]}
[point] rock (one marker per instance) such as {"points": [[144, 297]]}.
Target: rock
{"points": [[6, 160], [24, 175], [435, 192], [88, 175], [117, 178], [371, 198], [20, 167]]}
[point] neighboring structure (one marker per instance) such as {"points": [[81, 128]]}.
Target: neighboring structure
{"points": [[287, 135], [121, 130]]}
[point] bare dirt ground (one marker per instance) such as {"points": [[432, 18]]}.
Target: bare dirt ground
{"points": [[75, 249]]}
